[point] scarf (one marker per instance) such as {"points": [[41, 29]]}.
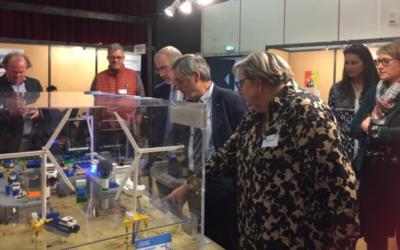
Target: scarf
{"points": [[386, 97]]}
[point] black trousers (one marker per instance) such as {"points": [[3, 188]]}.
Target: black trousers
{"points": [[379, 203], [220, 214]]}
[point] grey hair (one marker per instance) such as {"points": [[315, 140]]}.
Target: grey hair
{"points": [[392, 49], [190, 63], [17, 56], [114, 47], [269, 67], [170, 52]]}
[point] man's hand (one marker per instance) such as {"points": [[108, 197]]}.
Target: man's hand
{"points": [[32, 114], [179, 194], [365, 124]]}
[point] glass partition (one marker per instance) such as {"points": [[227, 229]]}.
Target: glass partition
{"points": [[89, 169]]}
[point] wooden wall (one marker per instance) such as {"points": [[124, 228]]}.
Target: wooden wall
{"points": [[38, 55], [321, 61]]}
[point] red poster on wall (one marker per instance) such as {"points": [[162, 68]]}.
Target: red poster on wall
{"points": [[311, 79]]}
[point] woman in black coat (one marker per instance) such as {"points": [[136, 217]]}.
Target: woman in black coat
{"points": [[377, 126]]}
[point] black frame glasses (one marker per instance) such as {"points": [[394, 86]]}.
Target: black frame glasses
{"points": [[162, 69], [239, 84], [118, 58], [385, 61]]}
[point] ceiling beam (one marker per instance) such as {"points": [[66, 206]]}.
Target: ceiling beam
{"points": [[77, 13]]}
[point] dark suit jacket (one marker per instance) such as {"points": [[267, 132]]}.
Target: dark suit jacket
{"points": [[31, 85], [12, 126], [159, 115], [228, 109]]}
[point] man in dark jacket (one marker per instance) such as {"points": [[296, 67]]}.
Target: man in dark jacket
{"points": [[17, 123], [163, 60], [224, 111]]}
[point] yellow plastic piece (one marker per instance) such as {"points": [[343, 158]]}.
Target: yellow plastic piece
{"points": [[80, 172], [23, 164], [137, 217], [36, 225]]}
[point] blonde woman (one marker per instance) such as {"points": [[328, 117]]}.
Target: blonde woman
{"points": [[296, 188]]}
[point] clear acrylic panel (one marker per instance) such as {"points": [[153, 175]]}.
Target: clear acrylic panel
{"points": [[84, 170]]}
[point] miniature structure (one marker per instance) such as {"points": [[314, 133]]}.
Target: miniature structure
{"points": [[81, 192], [51, 171], [135, 163], [66, 224], [104, 169], [36, 223], [128, 189]]}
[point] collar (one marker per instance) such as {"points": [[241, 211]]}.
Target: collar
{"points": [[116, 71], [14, 83], [207, 96]]}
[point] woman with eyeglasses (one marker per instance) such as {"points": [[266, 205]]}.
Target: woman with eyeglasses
{"points": [[359, 74], [377, 125], [296, 187]]}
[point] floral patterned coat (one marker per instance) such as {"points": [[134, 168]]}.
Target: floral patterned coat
{"points": [[297, 192]]}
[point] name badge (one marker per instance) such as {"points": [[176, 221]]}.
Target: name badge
{"points": [[270, 141], [123, 91]]}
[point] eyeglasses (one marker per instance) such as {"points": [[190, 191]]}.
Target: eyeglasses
{"points": [[112, 58], [385, 62], [239, 84], [162, 69]]}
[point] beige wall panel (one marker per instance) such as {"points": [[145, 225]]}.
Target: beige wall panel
{"points": [[102, 62], [322, 61], [72, 68], [38, 54], [281, 53], [340, 62]]}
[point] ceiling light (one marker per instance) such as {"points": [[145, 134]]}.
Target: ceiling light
{"points": [[204, 2], [170, 11], [186, 7]]}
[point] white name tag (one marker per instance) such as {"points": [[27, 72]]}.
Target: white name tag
{"points": [[123, 91], [270, 141]]}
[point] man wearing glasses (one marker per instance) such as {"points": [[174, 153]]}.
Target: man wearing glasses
{"points": [[224, 111], [163, 60], [117, 79]]}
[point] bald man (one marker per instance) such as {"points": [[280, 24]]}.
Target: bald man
{"points": [[17, 125]]}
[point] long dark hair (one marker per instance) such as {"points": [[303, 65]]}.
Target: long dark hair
{"points": [[370, 73]]}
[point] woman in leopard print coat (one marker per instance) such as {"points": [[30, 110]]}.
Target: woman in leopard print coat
{"points": [[296, 187]]}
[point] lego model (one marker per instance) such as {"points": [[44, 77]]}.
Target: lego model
{"points": [[80, 172], [128, 188], [36, 223], [67, 224], [104, 169], [81, 192], [51, 171]]}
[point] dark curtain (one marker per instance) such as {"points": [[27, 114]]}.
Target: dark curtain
{"points": [[36, 26]]}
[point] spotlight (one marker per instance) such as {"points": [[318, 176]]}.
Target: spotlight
{"points": [[186, 7], [204, 2], [170, 11]]}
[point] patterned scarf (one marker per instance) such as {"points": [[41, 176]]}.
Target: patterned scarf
{"points": [[386, 97]]}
